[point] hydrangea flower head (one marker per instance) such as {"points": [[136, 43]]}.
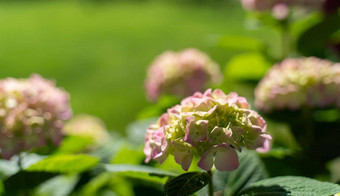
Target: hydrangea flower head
{"points": [[295, 83], [212, 125], [84, 125], [181, 73], [32, 112], [280, 8]]}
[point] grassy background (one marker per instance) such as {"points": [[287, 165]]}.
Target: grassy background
{"points": [[100, 52]]}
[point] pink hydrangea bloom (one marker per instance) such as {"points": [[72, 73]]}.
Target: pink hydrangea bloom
{"points": [[212, 126], [295, 83], [32, 112], [280, 8], [181, 73]]}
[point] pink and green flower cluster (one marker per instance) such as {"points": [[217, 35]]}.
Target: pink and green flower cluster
{"points": [[212, 126], [296, 83], [280, 8], [32, 112], [181, 74]]}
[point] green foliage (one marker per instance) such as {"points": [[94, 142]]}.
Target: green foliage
{"points": [[64, 164], [1, 188], [7, 168], [315, 40], [105, 151], [74, 144], [141, 172], [60, 185], [241, 43], [106, 181], [10, 167], [249, 66], [187, 183], [129, 154], [291, 185], [26, 180], [171, 165], [250, 170]]}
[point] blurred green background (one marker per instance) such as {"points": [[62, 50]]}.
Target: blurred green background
{"points": [[99, 51]]}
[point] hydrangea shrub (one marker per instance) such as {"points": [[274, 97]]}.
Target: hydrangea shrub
{"points": [[296, 83], [32, 114], [280, 8], [181, 73], [212, 126]]}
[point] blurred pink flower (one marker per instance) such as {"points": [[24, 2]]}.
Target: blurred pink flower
{"points": [[181, 73], [280, 8], [32, 112], [295, 83], [212, 126]]}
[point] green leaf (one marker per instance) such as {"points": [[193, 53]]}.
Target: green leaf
{"points": [[10, 167], [315, 39], [187, 183], [140, 172], [7, 168], [291, 185], [107, 181], [74, 144], [250, 170], [25, 180], [1, 188], [128, 154], [249, 66], [58, 186], [65, 164]]}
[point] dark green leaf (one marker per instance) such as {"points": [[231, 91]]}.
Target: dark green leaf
{"points": [[140, 172], [24, 180], [1, 188], [65, 164], [291, 185], [10, 167], [187, 183], [314, 40], [251, 170]]}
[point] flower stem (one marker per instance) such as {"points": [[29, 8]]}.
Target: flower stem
{"points": [[20, 162], [285, 40], [210, 185]]}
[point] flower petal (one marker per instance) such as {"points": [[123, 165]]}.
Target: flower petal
{"points": [[206, 161], [226, 159]]}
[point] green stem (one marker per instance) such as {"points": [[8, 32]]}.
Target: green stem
{"points": [[210, 185], [20, 162], [285, 40]]}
